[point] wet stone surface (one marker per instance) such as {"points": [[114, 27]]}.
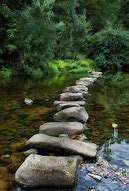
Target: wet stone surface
{"points": [[86, 183]]}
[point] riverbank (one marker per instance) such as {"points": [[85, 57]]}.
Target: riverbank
{"points": [[80, 65]]}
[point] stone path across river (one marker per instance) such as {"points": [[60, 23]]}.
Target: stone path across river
{"points": [[57, 138]]}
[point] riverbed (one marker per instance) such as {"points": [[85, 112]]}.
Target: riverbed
{"points": [[107, 104]]}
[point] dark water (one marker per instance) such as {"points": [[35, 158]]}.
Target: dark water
{"points": [[108, 104]]}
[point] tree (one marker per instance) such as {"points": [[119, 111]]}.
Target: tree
{"points": [[75, 32], [111, 47], [7, 34], [98, 11], [36, 39], [123, 14]]}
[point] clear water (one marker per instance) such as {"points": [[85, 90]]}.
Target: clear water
{"points": [[107, 104]]}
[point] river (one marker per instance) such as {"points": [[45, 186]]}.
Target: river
{"points": [[107, 104]]}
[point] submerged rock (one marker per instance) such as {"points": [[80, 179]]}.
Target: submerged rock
{"points": [[95, 176], [72, 114], [71, 96], [50, 171], [57, 128], [81, 103], [46, 142]]}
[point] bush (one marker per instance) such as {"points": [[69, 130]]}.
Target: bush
{"points": [[111, 47], [5, 73], [37, 73], [72, 66], [82, 66]]}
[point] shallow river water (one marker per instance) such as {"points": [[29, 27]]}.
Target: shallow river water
{"points": [[108, 103]]}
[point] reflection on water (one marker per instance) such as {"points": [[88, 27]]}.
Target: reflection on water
{"points": [[18, 121], [108, 104]]}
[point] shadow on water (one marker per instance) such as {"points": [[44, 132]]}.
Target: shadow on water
{"points": [[108, 104]]}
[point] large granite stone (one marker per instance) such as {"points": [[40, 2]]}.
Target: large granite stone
{"points": [[72, 114], [71, 96], [66, 105], [57, 128], [83, 83], [47, 171], [56, 144], [96, 74], [88, 79], [76, 89]]}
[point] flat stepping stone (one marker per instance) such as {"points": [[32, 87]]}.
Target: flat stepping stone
{"points": [[81, 103], [71, 96], [50, 143], [72, 114], [82, 83], [88, 79], [57, 128], [85, 81], [66, 105], [96, 74], [50, 171], [75, 89]]}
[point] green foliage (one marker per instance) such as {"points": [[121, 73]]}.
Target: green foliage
{"points": [[69, 66], [37, 73], [111, 47], [5, 73], [99, 11], [123, 13], [36, 39], [75, 32], [51, 67], [34, 32], [7, 33], [83, 66]]}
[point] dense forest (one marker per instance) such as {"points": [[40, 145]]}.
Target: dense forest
{"points": [[45, 35]]}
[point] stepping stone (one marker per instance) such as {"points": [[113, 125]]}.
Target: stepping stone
{"points": [[88, 79], [96, 74], [50, 143], [72, 114], [81, 103], [50, 171], [66, 105], [82, 83], [76, 89], [71, 96], [85, 81], [57, 128]]}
